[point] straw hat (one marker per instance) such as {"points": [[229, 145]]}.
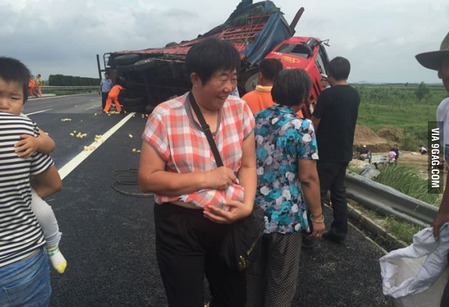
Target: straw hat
{"points": [[433, 59]]}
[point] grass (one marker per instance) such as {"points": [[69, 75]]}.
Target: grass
{"points": [[406, 179], [401, 230], [396, 105]]}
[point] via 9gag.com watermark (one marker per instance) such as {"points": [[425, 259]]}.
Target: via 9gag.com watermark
{"points": [[435, 182]]}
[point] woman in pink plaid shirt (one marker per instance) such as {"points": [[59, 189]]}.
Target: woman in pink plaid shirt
{"points": [[196, 202]]}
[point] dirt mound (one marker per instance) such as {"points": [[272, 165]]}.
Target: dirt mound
{"points": [[391, 133], [365, 136], [381, 143]]}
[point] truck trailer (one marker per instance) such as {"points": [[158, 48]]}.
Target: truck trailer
{"points": [[257, 31]]}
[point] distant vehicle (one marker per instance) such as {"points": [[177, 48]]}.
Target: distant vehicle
{"points": [[256, 30]]}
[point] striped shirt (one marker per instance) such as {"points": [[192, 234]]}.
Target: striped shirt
{"points": [[20, 232], [180, 141]]}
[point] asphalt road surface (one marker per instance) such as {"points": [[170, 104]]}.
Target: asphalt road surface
{"points": [[108, 229]]}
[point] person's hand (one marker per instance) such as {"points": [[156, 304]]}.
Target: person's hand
{"points": [[439, 221], [27, 146], [318, 228], [237, 211], [220, 178]]}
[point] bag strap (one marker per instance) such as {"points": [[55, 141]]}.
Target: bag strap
{"points": [[206, 130]]}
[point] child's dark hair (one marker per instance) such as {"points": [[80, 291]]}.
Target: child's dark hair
{"points": [[12, 70], [291, 87], [270, 68], [210, 55], [339, 68]]}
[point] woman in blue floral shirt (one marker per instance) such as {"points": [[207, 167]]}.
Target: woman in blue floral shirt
{"points": [[287, 185]]}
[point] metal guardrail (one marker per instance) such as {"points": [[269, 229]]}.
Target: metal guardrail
{"points": [[388, 201]]}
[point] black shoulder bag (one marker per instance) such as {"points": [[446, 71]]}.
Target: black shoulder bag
{"points": [[241, 244]]}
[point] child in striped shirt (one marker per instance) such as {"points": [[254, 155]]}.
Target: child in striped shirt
{"points": [[25, 148]]}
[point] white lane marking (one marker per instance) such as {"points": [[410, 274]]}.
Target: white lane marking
{"points": [[71, 165], [37, 112]]}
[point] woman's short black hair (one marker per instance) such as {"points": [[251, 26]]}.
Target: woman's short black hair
{"points": [[210, 55], [339, 68], [291, 87], [12, 70]]}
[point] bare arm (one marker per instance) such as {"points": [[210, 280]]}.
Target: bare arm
{"points": [[47, 182], [310, 184], [442, 216], [248, 179], [46, 143], [247, 173], [154, 178], [29, 144], [315, 122]]}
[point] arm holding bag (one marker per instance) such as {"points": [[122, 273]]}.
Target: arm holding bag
{"points": [[417, 273], [241, 243]]}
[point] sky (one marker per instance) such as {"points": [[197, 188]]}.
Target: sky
{"points": [[380, 38]]}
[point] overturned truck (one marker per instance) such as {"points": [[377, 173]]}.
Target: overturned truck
{"points": [[256, 30]]}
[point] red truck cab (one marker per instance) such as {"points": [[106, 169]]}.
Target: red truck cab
{"points": [[307, 53]]}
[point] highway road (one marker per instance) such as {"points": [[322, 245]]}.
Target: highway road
{"points": [[108, 234]]}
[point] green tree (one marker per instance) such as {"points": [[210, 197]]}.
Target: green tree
{"points": [[62, 80], [422, 91]]}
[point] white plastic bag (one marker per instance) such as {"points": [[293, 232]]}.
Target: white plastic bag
{"points": [[416, 275]]}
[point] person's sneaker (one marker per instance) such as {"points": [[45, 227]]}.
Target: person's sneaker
{"points": [[331, 236]]}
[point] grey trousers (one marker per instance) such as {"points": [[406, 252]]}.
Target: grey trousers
{"points": [[46, 218], [272, 279]]}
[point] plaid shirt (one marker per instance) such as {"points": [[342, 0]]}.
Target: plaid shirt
{"points": [[180, 141]]}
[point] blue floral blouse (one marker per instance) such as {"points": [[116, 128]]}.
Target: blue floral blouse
{"points": [[282, 138]]}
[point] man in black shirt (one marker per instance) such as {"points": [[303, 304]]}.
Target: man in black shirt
{"points": [[334, 119]]}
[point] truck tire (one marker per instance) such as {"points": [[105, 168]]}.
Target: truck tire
{"points": [[149, 108], [248, 81], [126, 59], [137, 109], [132, 102], [125, 68], [145, 64]]}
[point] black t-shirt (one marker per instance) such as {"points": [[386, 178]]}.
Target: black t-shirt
{"points": [[337, 108]]}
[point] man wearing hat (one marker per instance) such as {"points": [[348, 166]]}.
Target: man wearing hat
{"points": [[439, 61]]}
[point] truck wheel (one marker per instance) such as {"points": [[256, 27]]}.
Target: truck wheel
{"points": [[126, 59], [144, 64], [125, 68], [248, 81], [137, 109], [149, 108], [131, 102]]}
